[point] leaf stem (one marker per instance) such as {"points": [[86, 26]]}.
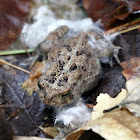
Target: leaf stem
{"points": [[12, 52]]}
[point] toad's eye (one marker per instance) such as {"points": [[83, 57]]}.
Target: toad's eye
{"points": [[66, 94], [40, 85]]}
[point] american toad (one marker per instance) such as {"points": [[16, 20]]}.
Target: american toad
{"points": [[71, 69]]}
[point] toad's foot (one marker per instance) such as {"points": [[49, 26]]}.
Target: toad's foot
{"points": [[115, 53]]}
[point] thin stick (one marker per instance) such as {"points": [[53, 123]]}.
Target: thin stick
{"points": [[12, 52], [24, 46], [116, 29], [129, 29], [16, 67], [122, 27]]}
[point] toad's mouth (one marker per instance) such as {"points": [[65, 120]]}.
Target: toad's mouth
{"points": [[60, 99]]}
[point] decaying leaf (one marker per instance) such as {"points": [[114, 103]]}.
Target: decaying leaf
{"points": [[120, 9], [131, 68], [31, 84], [12, 15]]}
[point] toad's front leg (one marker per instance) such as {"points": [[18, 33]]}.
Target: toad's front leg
{"points": [[53, 39]]}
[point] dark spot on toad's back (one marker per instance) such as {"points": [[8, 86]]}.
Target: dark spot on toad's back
{"points": [[79, 52], [88, 54], [73, 67], [60, 67], [54, 79], [69, 48], [61, 63], [53, 74], [65, 78], [83, 68], [68, 57], [51, 81], [59, 53], [60, 83]]}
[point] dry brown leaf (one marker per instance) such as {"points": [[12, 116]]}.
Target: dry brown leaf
{"points": [[132, 101], [132, 75], [131, 68], [104, 102], [116, 125], [50, 131], [31, 84]]}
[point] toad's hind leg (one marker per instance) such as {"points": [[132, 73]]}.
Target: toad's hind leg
{"points": [[52, 39]]}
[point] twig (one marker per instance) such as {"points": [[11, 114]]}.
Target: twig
{"points": [[24, 46], [129, 29], [122, 27], [12, 52], [16, 67]]}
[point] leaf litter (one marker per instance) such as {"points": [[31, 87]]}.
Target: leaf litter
{"points": [[119, 123], [132, 74]]}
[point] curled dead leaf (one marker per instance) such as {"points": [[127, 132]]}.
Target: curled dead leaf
{"points": [[31, 84]]}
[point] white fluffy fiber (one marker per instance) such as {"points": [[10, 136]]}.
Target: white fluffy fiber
{"points": [[73, 117], [45, 22]]}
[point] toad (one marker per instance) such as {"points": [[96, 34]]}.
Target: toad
{"points": [[72, 67]]}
